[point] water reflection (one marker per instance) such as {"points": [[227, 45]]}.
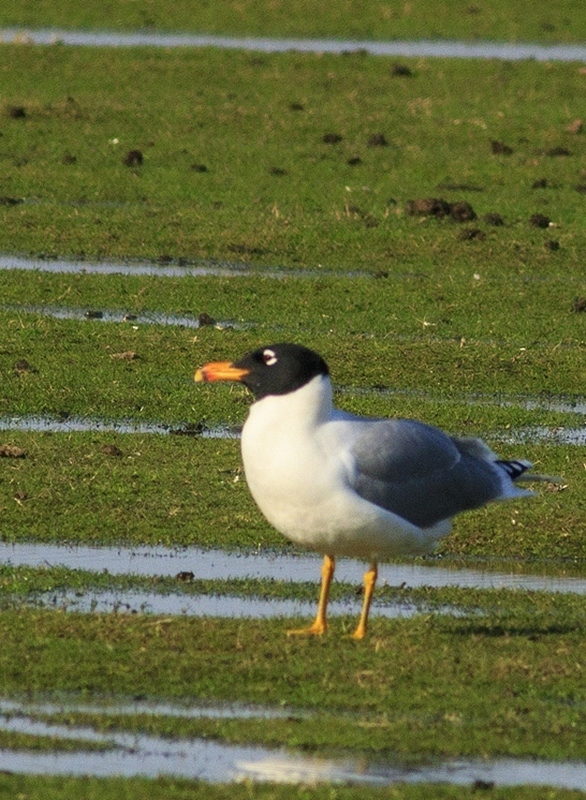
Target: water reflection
{"points": [[210, 268], [38, 424], [72, 267], [134, 754], [542, 435], [124, 707], [499, 772], [101, 315], [504, 51], [128, 754], [203, 605], [528, 435], [217, 564], [563, 404]]}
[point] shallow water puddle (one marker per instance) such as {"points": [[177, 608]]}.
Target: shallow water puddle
{"points": [[198, 269], [539, 434], [203, 605], [99, 315], [39, 424], [561, 404], [420, 49], [206, 564], [132, 754], [124, 707], [128, 755], [203, 269], [499, 772], [64, 266]]}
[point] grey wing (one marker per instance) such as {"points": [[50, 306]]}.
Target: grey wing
{"points": [[419, 472]]}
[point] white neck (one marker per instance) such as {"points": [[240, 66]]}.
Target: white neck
{"points": [[306, 407]]}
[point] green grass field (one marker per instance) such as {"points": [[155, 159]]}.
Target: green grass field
{"points": [[274, 192], [304, 165], [519, 21]]}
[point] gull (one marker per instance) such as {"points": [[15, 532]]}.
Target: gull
{"points": [[345, 485]]}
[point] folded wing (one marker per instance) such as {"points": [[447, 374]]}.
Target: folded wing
{"points": [[421, 473]]}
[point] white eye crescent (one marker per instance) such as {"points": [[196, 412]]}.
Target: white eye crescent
{"points": [[269, 357]]}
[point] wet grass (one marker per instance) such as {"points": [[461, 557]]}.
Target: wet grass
{"points": [[273, 191], [47, 788], [350, 19], [35, 743], [44, 585], [456, 686], [442, 313], [371, 333], [402, 306], [374, 736], [180, 491]]}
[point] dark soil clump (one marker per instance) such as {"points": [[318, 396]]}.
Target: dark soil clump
{"points": [[428, 207], [133, 158], [460, 210], [16, 112], [554, 152], [112, 450], [539, 221], [493, 218], [472, 234], [401, 71], [500, 148], [331, 138], [378, 140]]}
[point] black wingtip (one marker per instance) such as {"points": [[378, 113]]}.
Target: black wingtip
{"points": [[514, 469]]}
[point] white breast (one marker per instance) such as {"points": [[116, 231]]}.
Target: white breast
{"points": [[287, 471], [299, 474]]}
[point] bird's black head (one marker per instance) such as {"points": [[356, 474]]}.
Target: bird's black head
{"points": [[280, 368], [276, 369]]}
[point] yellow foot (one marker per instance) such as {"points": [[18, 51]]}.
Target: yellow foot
{"points": [[314, 630], [359, 633]]}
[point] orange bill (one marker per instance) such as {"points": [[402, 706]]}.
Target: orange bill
{"points": [[219, 371]]}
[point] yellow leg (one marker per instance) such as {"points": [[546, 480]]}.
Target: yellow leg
{"points": [[319, 625], [369, 584]]}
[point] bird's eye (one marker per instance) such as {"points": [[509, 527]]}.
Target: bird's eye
{"points": [[269, 357]]}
